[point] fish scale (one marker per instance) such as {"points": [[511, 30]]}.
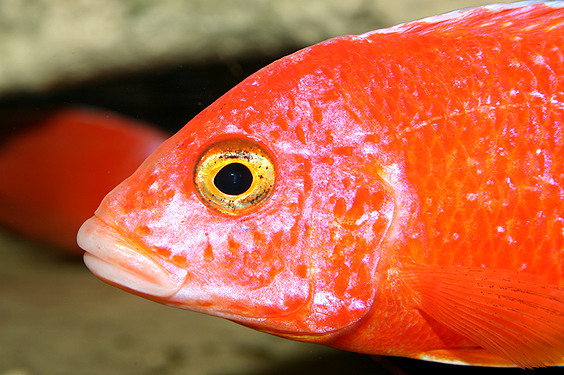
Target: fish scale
{"points": [[415, 208]]}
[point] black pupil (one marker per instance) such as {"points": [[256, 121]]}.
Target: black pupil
{"points": [[233, 179]]}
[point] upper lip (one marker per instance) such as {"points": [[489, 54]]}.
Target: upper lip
{"points": [[120, 260]]}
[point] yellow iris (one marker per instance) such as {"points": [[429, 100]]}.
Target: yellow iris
{"points": [[234, 176]]}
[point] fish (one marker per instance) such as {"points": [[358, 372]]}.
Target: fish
{"points": [[57, 169], [396, 193]]}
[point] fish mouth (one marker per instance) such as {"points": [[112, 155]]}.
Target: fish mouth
{"points": [[118, 260]]}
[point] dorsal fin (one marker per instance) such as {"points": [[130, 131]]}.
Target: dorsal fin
{"points": [[508, 313]]}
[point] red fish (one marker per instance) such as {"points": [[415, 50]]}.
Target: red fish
{"points": [[399, 193], [55, 173]]}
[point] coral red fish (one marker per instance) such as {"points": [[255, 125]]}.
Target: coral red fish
{"points": [[54, 174], [399, 192]]}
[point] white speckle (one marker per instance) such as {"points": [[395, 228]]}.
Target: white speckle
{"points": [[154, 187], [471, 196], [500, 229], [455, 236], [523, 267], [510, 183], [324, 299], [537, 94], [357, 304], [230, 128], [538, 59]]}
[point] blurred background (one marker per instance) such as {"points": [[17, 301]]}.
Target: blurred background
{"points": [[160, 61]]}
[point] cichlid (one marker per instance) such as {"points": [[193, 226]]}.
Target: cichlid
{"points": [[55, 172], [399, 192]]}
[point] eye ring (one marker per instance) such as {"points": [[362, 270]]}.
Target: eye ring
{"points": [[250, 176]]}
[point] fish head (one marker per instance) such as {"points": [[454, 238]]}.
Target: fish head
{"points": [[288, 243]]}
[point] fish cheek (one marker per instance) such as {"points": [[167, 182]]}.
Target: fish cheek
{"points": [[238, 268], [253, 258]]}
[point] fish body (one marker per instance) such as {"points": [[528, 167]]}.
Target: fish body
{"points": [[405, 198], [54, 173]]}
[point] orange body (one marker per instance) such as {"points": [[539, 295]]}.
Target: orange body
{"points": [[54, 174], [418, 202]]}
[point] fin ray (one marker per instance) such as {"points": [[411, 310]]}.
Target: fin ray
{"points": [[512, 314]]}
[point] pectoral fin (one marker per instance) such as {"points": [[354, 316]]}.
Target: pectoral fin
{"points": [[508, 313]]}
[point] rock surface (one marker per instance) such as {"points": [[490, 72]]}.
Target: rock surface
{"points": [[56, 42]]}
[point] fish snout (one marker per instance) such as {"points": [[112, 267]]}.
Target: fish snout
{"points": [[121, 261]]}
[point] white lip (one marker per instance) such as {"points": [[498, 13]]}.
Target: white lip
{"points": [[119, 260]]}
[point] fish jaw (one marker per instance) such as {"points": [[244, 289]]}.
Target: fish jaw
{"points": [[120, 261]]}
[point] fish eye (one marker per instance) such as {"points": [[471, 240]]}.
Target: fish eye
{"points": [[234, 176]]}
